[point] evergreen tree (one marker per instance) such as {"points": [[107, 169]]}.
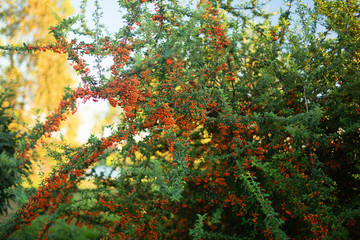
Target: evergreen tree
{"points": [[9, 167]]}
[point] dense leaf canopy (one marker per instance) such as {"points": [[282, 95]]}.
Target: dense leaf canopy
{"points": [[235, 123]]}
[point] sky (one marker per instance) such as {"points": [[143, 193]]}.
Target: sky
{"points": [[91, 111], [111, 15]]}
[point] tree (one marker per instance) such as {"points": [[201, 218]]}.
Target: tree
{"points": [[38, 79], [9, 170], [250, 127], [23, 20]]}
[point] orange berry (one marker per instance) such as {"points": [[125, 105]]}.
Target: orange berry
{"points": [[169, 61], [275, 38]]}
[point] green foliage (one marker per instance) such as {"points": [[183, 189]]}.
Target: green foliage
{"points": [[233, 125], [60, 231], [9, 166]]}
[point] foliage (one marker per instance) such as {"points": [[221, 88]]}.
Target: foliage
{"points": [[7, 136], [249, 126], [37, 79], [62, 230], [9, 165]]}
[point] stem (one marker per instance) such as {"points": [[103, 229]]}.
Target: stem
{"points": [[97, 20], [306, 105]]}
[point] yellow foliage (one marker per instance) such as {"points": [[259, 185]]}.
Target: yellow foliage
{"points": [[40, 86]]}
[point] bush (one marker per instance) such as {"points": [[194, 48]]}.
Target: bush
{"points": [[9, 166], [233, 126]]}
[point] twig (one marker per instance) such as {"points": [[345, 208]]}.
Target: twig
{"points": [[306, 105]]}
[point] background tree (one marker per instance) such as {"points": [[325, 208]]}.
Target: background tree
{"points": [[250, 126], [37, 79], [9, 169]]}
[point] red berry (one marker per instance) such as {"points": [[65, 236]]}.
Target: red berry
{"points": [[169, 61]]}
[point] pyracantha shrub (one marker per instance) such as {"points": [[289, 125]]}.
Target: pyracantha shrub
{"points": [[236, 123]]}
